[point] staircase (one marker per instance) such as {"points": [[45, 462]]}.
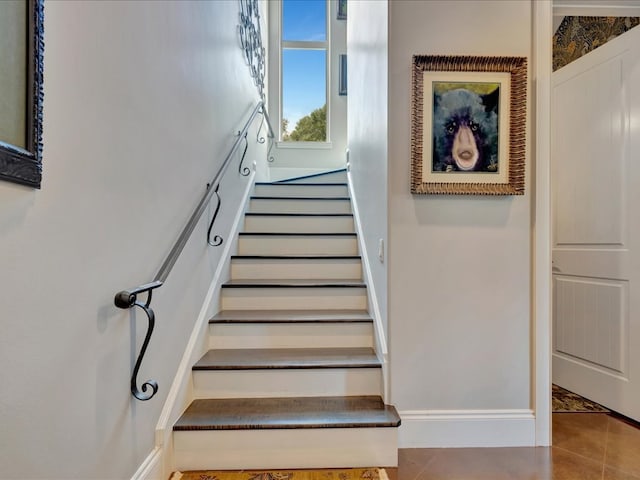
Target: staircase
{"points": [[291, 379]]}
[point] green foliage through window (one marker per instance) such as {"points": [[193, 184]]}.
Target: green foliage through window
{"points": [[312, 128]]}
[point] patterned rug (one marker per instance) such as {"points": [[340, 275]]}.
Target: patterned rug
{"points": [[343, 474], [564, 401]]}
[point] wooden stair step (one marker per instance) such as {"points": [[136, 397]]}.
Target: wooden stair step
{"points": [[293, 283], [288, 358], [300, 198], [288, 413], [304, 184], [297, 234], [296, 257], [291, 316], [310, 215]]}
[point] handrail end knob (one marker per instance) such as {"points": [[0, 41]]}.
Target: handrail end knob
{"points": [[124, 299]]}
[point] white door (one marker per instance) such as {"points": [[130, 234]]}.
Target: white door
{"points": [[596, 202]]}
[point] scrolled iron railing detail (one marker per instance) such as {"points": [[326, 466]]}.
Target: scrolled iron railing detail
{"points": [[260, 138], [217, 239], [251, 42], [129, 299], [242, 170]]}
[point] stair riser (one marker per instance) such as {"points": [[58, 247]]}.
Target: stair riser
{"points": [[295, 224], [299, 206], [296, 269], [286, 382], [286, 449], [348, 298], [302, 191], [282, 335], [275, 245]]}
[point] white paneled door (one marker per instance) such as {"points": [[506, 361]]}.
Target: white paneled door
{"points": [[596, 251]]}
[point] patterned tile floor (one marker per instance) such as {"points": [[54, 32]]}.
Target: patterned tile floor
{"points": [[586, 446]]}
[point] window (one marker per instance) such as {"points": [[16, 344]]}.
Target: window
{"points": [[304, 49]]}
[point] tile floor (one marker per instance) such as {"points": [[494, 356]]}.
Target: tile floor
{"points": [[586, 446]]}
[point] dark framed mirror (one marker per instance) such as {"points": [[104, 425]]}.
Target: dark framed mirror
{"points": [[21, 90]]}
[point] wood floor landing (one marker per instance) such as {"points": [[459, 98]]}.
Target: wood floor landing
{"points": [[288, 413], [252, 359], [291, 316]]}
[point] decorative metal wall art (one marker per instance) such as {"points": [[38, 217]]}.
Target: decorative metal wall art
{"points": [[251, 42]]}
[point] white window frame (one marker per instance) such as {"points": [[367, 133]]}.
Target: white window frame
{"points": [[304, 45]]}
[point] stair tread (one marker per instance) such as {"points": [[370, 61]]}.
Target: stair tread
{"points": [[291, 316], [287, 413], [307, 184], [284, 214], [302, 198], [295, 282], [300, 234], [297, 257], [281, 358]]}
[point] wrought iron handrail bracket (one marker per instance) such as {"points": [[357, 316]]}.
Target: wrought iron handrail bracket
{"points": [[126, 299]]}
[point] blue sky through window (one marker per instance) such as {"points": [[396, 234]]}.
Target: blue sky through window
{"points": [[304, 20], [303, 71]]}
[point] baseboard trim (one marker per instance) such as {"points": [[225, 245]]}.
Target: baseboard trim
{"points": [[151, 468], [381, 340], [467, 428], [181, 391]]}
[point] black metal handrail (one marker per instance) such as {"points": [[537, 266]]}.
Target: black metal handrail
{"points": [[129, 298]]}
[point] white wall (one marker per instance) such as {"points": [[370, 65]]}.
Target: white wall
{"points": [[367, 129], [142, 101], [459, 267]]}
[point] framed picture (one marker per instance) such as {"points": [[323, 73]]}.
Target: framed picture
{"points": [[468, 125], [21, 91], [342, 10]]}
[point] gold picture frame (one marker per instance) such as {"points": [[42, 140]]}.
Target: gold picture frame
{"points": [[468, 125]]}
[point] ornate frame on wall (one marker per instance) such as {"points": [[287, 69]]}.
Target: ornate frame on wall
{"points": [[482, 97], [24, 165]]}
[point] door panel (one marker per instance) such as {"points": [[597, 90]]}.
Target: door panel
{"points": [[592, 321], [596, 250], [589, 115]]}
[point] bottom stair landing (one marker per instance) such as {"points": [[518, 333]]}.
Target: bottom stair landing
{"points": [[293, 432]]}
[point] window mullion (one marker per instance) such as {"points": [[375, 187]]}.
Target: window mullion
{"points": [[303, 45]]}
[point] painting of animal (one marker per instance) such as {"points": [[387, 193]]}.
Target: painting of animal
{"points": [[465, 127]]}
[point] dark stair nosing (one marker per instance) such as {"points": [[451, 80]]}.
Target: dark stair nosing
{"points": [[311, 175], [294, 283], [301, 234], [270, 197], [340, 184], [296, 257], [288, 413], [291, 316], [280, 214], [288, 359]]}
